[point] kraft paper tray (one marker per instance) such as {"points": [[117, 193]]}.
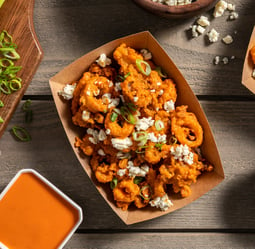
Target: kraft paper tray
{"points": [[185, 96], [248, 67]]}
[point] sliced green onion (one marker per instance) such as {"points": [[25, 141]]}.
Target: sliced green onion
{"points": [[26, 106], [160, 73], [173, 140], [12, 69], [159, 125], [132, 106], [122, 78], [114, 116], [138, 179], [140, 136], [1, 120], [29, 116], [8, 81], [11, 55], [5, 38], [113, 183], [127, 115], [117, 111], [140, 149], [14, 85], [21, 133], [126, 75], [141, 64], [5, 61], [159, 146], [145, 196], [4, 87], [1, 103], [7, 49], [119, 78], [1, 3]]}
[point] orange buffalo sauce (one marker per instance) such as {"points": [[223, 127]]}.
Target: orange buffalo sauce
{"points": [[34, 216]]}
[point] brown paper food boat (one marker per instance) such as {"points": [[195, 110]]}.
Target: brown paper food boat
{"points": [[247, 79], [185, 96]]}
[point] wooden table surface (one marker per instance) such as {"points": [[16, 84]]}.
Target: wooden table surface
{"points": [[222, 218]]}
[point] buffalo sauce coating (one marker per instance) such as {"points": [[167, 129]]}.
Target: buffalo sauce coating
{"points": [[33, 216]]}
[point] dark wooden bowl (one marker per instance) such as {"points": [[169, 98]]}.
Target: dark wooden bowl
{"points": [[181, 11]]}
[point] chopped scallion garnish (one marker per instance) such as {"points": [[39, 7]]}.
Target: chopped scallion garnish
{"points": [[160, 73], [140, 136], [14, 85], [132, 106], [4, 87], [114, 116], [173, 140], [113, 183], [159, 146], [138, 179], [159, 125], [141, 149], [145, 192], [26, 107], [21, 133], [143, 67], [127, 115]]}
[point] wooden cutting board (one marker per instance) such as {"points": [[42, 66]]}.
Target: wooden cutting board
{"points": [[16, 16]]}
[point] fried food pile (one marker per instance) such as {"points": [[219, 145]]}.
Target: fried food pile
{"points": [[252, 53], [139, 143]]}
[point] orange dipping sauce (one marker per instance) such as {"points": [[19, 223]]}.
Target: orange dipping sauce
{"points": [[36, 215]]}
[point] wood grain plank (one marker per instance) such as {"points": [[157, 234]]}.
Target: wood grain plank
{"points": [[67, 31], [229, 205], [162, 241]]}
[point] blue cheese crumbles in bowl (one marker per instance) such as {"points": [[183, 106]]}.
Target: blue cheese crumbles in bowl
{"points": [[176, 8], [139, 142]]}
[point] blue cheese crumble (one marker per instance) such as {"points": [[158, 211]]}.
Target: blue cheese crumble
{"points": [[163, 202], [67, 92], [182, 153], [103, 60]]}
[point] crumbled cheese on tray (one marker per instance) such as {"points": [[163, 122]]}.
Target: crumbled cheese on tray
{"points": [[227, 39], [213, 35], [173, 2]]}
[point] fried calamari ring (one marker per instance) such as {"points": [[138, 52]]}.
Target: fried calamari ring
{"points": [[104, 172], [145, 196], [153, 154], [92, 95], [126, 58], [168, 91], [107, 71], [252, 53], [76, 103], [136, 90], [159, 187], [183, 176], [186, 128], [85, 145], [126, 191], [78, 119], [119, 127]]}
